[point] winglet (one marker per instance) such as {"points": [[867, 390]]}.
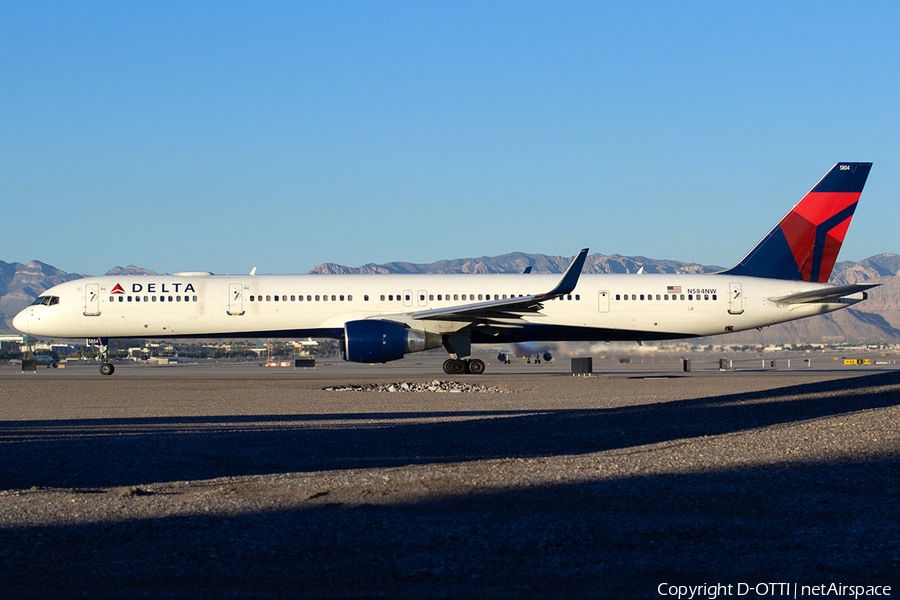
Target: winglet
{"points": [[569, 279]]}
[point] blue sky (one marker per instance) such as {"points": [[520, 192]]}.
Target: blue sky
{"points": [[224, 136]]}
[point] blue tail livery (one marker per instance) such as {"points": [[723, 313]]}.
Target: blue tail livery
{"points": [[805, 244]]}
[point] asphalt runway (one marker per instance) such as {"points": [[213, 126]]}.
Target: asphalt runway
{"points": [[235, 480]]}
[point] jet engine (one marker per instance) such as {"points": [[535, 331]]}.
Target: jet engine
{"points": [[372, 340]]}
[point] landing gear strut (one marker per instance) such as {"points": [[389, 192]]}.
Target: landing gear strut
{"points": [[457, 366]]}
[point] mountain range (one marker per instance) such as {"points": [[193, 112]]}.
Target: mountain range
{"points": [[875, 321]]}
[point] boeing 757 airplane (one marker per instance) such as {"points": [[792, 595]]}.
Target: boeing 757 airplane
{"points": [[381, 318]]}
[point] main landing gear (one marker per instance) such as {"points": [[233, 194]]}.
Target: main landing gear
{"points": [[457, 366]]}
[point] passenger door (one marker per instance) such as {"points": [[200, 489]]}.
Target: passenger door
{"points": [[735, 298], [235, 299], [92, 300]]}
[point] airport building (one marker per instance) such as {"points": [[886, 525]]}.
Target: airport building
{"points": [[12, 343]]}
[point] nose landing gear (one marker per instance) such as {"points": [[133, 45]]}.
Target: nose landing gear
{"points": [[106, 367]]}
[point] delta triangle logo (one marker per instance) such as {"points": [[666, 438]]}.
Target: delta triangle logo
{"points": [[117, 290]]}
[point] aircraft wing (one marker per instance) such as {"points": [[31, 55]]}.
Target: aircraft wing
{"points": [[824, 295], [510, 309]]}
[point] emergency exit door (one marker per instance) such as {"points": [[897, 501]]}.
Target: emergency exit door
{"points": [[603, 301]]}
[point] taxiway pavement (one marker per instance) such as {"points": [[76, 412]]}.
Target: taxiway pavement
{"points": [[239, 480]]}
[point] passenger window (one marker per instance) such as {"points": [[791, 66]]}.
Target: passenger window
{"points": [[714, 296], [617, 297], [317, 297], [690, 296], [665, 297], [454, 297], [365, 298], [178, 298], [642, 296], [634, 297], [657, 296], [577, 297], [333, 298], [309, 298], [390, 297]]}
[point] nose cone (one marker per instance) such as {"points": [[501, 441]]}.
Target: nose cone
{"points": [[20, 321]]}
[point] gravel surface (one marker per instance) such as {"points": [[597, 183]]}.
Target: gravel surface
{"points": [[556, 487]]}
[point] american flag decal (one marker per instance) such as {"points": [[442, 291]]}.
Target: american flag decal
{"points": [[673, 289]]}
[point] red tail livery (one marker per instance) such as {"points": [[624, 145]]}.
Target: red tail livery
{"points": [[805, 244]]}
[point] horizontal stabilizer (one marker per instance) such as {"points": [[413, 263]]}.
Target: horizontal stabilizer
{"points": [[824, 295]]}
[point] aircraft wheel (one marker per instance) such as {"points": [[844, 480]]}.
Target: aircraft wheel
{"points": [[447, 366], [475, 367], [107, 369], [457, 367]]}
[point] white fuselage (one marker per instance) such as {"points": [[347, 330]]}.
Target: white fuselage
{"points": [[602, 307]]}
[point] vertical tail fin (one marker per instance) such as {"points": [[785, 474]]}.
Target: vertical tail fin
{"points": [[805, 243]]}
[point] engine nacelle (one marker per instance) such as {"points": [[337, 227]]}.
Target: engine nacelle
{"points": [[371, 340], [547, 357]]}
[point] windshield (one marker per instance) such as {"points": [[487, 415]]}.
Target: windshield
{"points": [[46, 300]]}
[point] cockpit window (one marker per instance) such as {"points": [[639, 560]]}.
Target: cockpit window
{"points": [[46, 300]]}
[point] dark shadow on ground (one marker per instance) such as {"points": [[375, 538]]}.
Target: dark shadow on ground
{"points": [[808, 523], [120, 452]]}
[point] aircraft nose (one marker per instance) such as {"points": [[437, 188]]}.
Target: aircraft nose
{"points": [[20, 321]]}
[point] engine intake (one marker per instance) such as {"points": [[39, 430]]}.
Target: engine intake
{"points": [[371, 340]]}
